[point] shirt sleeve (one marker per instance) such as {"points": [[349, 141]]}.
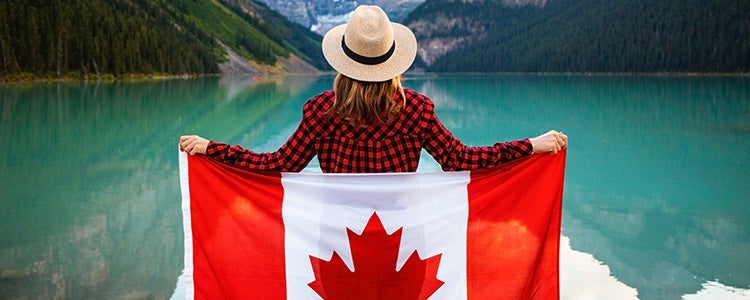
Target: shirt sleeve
{"points": [[292, 156], [453, 155]]}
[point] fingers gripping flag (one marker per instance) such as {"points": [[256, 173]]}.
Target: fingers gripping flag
{"points": [[488, 234]]}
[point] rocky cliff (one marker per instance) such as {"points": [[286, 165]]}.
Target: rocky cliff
{"points": [[321, 15]]}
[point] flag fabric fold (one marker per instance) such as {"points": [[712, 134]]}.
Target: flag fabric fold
{"points": [[486, 234]]}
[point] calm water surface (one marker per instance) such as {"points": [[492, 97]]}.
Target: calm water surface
{"points": [[657, 183]]}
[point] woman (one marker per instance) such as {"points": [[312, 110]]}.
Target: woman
{"points": [[369, 123]]}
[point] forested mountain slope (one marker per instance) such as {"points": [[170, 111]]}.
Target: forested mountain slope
{"points": [[82, 38], [584, 36]]}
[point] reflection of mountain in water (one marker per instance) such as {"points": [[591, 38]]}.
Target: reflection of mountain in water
{"points": [[653, 189], [121, 242], [91, 207]]}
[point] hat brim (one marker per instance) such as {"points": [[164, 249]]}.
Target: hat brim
{"points": [[402, 58]]}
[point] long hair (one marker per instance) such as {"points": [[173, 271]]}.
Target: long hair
{"points": [[366, 103]]}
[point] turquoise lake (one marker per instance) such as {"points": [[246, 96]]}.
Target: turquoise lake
{"points": [[656, 201]]}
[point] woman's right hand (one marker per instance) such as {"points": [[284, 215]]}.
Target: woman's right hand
{"points": [[550, 142], [193, 144]]}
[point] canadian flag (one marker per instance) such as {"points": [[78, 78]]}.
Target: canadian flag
{"points": [[488, 234]]}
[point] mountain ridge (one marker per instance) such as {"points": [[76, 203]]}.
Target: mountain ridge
{"points": [[85, 39], [618, 36], [321, 15]]}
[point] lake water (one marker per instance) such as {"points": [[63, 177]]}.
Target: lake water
{"points": [[656, 202]]}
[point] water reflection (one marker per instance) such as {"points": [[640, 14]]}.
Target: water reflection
{"points": [[656, 185], [90, 202]]}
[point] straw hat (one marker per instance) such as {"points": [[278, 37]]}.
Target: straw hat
{"points": [[370, 47]]}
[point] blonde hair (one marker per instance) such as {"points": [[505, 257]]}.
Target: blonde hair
{"points": [[364, 103]]}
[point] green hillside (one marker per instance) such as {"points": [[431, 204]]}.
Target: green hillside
{"points": [[598, 36], [99, 38], [302, 42]]}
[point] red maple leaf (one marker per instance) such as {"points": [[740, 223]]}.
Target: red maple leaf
{"points": [[374, 253]]}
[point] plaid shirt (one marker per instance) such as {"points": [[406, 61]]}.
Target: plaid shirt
{"points": [[344, 148]]}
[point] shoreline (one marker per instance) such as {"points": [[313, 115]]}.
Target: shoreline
{"points": [[683, 74], [30, 78]]}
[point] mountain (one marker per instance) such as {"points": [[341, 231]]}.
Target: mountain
{"points": [[322, 15], [582, 36], [120, 38], [299, 39], [116, 38]]}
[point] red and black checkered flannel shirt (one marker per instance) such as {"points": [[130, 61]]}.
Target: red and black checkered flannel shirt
{"points": [[344, 148]]}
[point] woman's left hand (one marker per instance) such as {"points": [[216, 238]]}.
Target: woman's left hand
{"points": [[193, 144], [550, 142]]}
